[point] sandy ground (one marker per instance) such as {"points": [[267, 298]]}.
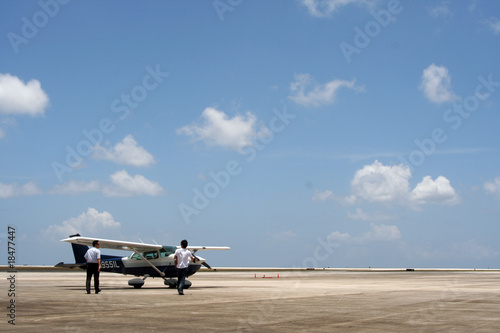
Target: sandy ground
{"points": [[315, 301]]}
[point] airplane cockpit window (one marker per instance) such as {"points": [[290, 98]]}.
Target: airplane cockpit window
{"points": [[164, 252], [151, 255], [147, 255], [167, 250]]}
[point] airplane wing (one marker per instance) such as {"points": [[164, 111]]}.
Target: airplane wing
{"points": [[136, 247], [63, 265], [195, 249], [113, 244], [198, 248]]}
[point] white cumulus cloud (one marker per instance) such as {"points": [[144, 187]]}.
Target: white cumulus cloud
{"points": [[19, 98], [15, 190], [218, 129], [125, 185], [125, 152], [379, 183], [434, 191], [493, 186], [306, 92], [90, 222], [436, 84]]}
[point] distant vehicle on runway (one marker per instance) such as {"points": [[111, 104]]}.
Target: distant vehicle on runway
{"points": [[148, 260]]}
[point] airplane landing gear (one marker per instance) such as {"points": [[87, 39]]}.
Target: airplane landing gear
{"points": [[172, 283], [137, 282]]}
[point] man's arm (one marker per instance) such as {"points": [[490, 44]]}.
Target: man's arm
{"points": [[99, 260]]}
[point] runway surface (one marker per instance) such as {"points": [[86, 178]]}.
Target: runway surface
{"points": [[315, 301]]}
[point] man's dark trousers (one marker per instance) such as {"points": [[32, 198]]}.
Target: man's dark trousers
{"points": [[92, 269], [181, 278]]}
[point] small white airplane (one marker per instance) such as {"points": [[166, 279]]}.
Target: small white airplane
{"points": [[148, 260]]}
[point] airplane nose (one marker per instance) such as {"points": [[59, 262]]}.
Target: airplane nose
{"points": [[199, 260], [202, 261]]}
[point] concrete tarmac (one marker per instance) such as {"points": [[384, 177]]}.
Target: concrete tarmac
{"points": [[308, 301]]}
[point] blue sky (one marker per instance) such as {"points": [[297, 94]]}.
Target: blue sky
{"points": [[322, 133]]}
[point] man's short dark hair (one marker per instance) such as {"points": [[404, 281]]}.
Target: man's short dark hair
{"points": [[95, 242], [184, 243]]}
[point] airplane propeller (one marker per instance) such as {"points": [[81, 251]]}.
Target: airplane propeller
{"points": [[203, 263]]}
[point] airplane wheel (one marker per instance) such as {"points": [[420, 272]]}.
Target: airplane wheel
{"points": [[171, 283], [136, 283], [187, 284]]}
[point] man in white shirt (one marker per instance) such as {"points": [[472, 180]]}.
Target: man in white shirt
{"points": [[182, 258], [93, 258]]}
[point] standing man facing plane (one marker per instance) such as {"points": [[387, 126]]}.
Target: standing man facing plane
{"points": [[93, 258], [182, 258]]}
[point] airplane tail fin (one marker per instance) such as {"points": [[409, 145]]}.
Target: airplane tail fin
{"points": [[79, 251]]}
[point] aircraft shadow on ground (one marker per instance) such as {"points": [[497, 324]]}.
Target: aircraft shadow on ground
{"points": [[104, 288]]}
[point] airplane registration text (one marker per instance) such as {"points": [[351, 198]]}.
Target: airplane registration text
{"points": [[109, 264]]}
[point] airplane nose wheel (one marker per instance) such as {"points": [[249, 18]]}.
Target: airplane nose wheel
{"points": [[136, 283]]}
